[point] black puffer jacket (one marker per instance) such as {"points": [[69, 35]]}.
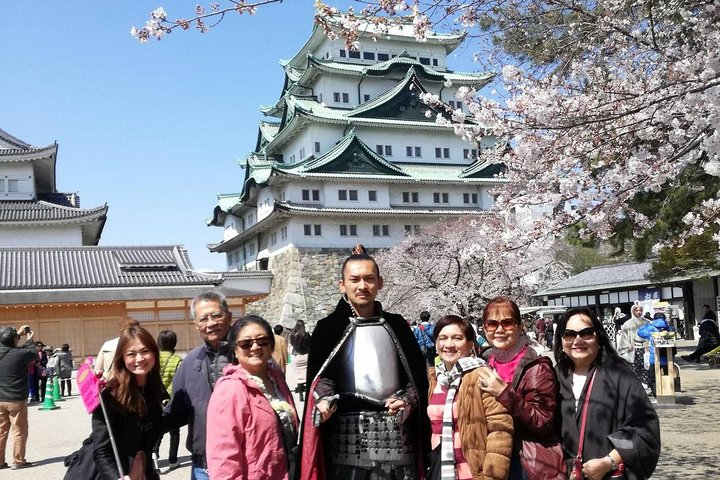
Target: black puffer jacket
{"points": [[14, 363]]}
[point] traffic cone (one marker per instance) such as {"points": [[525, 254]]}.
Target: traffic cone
{"points": [[56, 390], [49, 403]]}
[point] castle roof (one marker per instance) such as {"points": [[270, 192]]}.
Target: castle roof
{"points": [[400, 30], [70, 274], [283, 210]]}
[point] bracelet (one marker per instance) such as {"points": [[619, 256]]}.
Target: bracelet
{"points": [[613, 463]]}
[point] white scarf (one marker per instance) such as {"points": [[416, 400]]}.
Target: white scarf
{"points": [[451, 379]]}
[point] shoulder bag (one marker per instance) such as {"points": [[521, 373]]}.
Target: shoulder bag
{"points": [[577, 473]]}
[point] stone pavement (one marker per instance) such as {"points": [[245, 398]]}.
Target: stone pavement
{"points": [[690, 432]]}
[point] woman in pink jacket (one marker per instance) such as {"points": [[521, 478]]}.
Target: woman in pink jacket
{"points": [[252, 421]]}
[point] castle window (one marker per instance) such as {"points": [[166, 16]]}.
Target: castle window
{"points": [[312, 230], [410, 197], [383, 57], [348, 230], [317, 147], [441, 197], [342, 53], [354, 54], [283, 233], [470, 198], [442, 152], [470, 152], [424, 61], [345, 98], [381, 230], [413, 151], [412, 229], [435, 62], [353, 194], [372, 195], [368, 56], [366, 97]]}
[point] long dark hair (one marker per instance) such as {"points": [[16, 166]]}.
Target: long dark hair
{"points": [[606, 352], [359, 254], [243, 322], [123, 383]]}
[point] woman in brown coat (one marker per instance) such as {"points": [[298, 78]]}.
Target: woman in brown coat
{"points": [[471, 431]]}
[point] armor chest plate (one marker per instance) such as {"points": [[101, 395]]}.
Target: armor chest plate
{"points": [[369, 363]]}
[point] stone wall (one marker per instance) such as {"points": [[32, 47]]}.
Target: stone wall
{"points": [[304, 288]]}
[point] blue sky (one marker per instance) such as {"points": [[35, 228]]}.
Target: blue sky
{"points": [[154, 130]]}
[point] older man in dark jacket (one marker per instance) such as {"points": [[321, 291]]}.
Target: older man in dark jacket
{"points": [[195, 378], [14, 363]]}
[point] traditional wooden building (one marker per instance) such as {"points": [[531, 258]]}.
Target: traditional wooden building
{"points": [[349, 154], [621, 285], [55, 278]]}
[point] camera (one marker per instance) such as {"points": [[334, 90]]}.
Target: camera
{"points": [[26, 330]]}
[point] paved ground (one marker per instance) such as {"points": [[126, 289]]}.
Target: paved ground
{"points": [[690, 433]]}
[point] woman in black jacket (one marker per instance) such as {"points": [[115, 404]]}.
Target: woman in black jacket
{"points": [[622, 432], [133, 400]]}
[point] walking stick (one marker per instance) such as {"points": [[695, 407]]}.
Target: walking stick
{"points": [[112, 437]]}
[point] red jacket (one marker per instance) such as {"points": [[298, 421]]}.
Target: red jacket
{"points": [[532, 400], [244, 436]]}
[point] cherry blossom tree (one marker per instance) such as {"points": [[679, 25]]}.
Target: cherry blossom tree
{"points": [[457, 266], [611, 108]]}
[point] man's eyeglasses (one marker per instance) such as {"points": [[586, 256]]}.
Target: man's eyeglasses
{"points": [[505, 323], [247, 343], [215, 317], [584, 334]]}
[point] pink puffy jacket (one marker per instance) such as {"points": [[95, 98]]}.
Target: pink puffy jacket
{"points": [[244, 437]]}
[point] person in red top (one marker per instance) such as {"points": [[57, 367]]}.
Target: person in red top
{"points": [[525, 384], [540, 327]]}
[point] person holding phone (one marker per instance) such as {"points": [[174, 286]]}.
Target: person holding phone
{"points": [[14, 363]]}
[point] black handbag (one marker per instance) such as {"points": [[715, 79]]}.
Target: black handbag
{"points": [[81, 464]]}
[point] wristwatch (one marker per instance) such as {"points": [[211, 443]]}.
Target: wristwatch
{"points": [[613, 463]]}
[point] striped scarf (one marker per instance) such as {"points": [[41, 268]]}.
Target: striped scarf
{"points": [[451, 379]]}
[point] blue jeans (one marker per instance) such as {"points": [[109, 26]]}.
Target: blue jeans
{"points": [[197, 472]]}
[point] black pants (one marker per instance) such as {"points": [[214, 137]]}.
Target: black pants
{"points": [[41, 386], [66, 383], [174, 444]]}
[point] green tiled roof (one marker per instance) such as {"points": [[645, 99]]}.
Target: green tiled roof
{"points": [[350, 155], [401, 30]]}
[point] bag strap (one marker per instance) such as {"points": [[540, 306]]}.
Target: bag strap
{"points": [[584, 416], [427, 336]]}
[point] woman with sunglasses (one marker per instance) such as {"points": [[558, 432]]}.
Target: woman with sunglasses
{"points": [[471, 431], [525, 384], [623, 431], [252, 422]]}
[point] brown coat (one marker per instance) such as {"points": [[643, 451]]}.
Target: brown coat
{"points": [[280, 353], [485, 426]]}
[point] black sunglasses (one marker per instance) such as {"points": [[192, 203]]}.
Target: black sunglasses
{"points": [[584, 334], [246, 344]]}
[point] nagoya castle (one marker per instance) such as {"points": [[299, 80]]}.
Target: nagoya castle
{"points": [[348, 154]]}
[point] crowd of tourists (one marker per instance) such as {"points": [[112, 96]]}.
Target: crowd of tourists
{"points": [[381, 400]]}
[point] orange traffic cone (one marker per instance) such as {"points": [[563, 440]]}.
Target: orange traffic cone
{"points": [[49, 403]]}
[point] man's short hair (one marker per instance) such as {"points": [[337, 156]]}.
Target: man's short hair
{"points": [[8, 335], [424, 316], [209, 296], [278, 329], [706, 306]]}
